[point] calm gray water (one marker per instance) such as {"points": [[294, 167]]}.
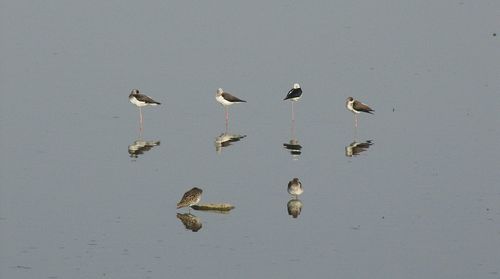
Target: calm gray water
{"points": [[422, 201]]}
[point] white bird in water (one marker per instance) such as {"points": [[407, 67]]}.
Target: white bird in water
{"points": [[357, 107], [226, 99], [141, 100]]}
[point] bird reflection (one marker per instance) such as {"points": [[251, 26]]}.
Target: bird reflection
{"points": [[190, 221], [293, 145], [355, 148], [140, 146], [294, 207], [226, 139]]}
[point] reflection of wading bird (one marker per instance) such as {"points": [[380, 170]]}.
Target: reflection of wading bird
{"points": [[294, 95], [294, 207], [295, 187], [190, 221], [140, 146], [190, 198], [294, 147], [226, 99], [225, 139], [141, 100], [355, 148], [357, 107]]}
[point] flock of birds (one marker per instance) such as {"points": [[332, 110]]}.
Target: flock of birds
{"points": [[193, 196]]}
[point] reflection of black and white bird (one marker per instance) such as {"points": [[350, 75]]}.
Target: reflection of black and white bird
{"points": [[294, 147], [190, 198], [294, 207], [226, 99], [357, 107], [141, 100], [295, 187], [190, 221], [140, 146], [294, 95], [225, 140], [355, 148]]}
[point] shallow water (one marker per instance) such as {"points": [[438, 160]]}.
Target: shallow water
{"points": [[422, 200]]}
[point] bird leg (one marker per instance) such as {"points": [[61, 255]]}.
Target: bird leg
{"points": [[293, 113], [140, 120], [227, 114], [356, 121]]}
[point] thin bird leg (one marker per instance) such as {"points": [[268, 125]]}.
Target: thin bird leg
{"points": [[140, 119], [293, 113], [227, 114], [356, 121], [293, 129]]}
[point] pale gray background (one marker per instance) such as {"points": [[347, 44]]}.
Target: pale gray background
{"points": [[422, 202]]}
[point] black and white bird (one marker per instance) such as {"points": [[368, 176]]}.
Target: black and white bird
{"points": [[226, 99], [294, 95], [141, 100], [357, 107]]}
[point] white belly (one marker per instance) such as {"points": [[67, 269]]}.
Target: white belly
{"points": [[223, 101], [349, 107], [137, 103]]}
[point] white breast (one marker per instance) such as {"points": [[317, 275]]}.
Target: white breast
{"points": [[136, 102], [222, 101]]}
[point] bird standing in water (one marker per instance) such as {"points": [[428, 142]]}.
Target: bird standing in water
{"points": [[294, 95], [141, 100], [357, 107], [226, 99]]}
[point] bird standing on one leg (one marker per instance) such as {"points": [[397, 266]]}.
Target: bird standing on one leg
{"points": [[294, 95], [226, 99], [357, 107], [141, 100]]}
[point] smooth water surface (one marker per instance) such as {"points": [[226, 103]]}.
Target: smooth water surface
{"points": [[420, 200]]}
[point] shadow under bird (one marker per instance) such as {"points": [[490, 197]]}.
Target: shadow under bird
{"points": [[190, 198], [141, 100], [357, 107], [295, 187], [226, 99]]}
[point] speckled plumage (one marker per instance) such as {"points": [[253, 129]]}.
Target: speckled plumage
{"points": [[190, 198]]}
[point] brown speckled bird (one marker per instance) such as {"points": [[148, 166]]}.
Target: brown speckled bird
{"points": [[190, 198]]}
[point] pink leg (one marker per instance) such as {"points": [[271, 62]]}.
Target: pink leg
{"points": [[227, 114], [140, 119], [293, 113], [356, 121]]}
